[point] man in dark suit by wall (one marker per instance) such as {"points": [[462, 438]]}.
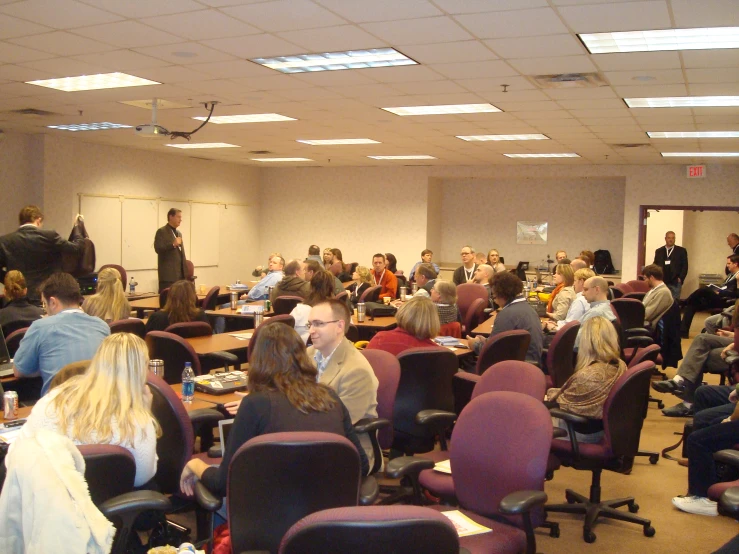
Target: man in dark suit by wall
{"points": [[170, 251], [674, 263], [35, 252], [733, 241]]}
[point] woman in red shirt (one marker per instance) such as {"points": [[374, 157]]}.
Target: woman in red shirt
{"points": [[418, 323]]}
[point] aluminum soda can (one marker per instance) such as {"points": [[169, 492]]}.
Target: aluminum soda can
{"points": [[10, 405]]}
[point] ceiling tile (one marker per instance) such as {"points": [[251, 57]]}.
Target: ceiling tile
{"points": [[59, 14], [710, 58], [418, 31], [333, 39], [605, 104], [339, 78], [430, 87], [284, 15], [173, 74], [581, 93], [512, 107], [127, 34], [515, 95], [615, 113], [365, 91], [201, 25], [276, 82], [401, 74], [541, 21], [137, 9], [61, 43], [629, 16], [651, 91], [495, 84], [12, 53], [471, 70], [713, 75], [637, 61], [19, 73], [465, 51], [121, 60], [254, 46], [717, 89], [64, 67], [232, 69], [361, 11], [706, 13], [661, 76], [548, 66], [545, 46], [12, 27], [477, 6], [170, 53]]}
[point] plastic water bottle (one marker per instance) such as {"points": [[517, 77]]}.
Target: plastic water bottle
{"points": [[132, 286], [188, 383]]}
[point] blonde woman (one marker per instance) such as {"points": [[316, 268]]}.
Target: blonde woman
{"points": [[109, 302], [494, 261], [363, 279], [444, 295], [598, 368], [418, 322], [563, 293], [108, 404]]}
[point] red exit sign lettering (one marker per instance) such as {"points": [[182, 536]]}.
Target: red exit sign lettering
{"points": [[696, 171]]}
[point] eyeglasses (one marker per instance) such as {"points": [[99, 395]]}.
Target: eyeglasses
{"points": [[318, 324], [465, 253]]}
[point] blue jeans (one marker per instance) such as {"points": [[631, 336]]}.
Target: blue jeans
{"points": [[675, 289]]}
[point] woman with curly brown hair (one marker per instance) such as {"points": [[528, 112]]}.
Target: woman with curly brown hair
{"points": [[18, 308], [181, 307]]}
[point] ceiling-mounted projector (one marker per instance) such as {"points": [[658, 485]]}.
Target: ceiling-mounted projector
{"points": [[151, 131]]}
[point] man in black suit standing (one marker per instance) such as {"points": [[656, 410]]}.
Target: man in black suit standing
{"points": [[733, 241], [674, 263], [170, 251], [35, 252]]}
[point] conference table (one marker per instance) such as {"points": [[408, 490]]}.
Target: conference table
{"points": [[205, 400], [150, 301], [23, 412], [237, 314], [228, 342]]}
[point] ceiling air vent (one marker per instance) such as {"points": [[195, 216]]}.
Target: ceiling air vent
{"points": [[630, 145], [569, 80], [260, 152], [32, 112]]}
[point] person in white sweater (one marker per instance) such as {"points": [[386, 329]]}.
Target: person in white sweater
{"points": [[108, 404]]}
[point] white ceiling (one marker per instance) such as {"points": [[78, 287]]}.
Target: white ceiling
{"points": [[467, 49]]}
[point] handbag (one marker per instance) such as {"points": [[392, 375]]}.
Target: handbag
{"points": [[539, 307], [376, 309]]}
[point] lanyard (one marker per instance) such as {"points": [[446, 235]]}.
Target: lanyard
{"points": [[468, 276], [669, 251], [381, 276]]}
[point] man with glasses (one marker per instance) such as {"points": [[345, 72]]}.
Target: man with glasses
{"points": [[466, 272], [341, 366]]}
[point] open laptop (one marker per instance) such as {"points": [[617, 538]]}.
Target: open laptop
{"points": [[224, 428], [6, 363]]}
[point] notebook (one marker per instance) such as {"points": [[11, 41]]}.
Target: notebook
{"points": [[6, 363], [221, 383], [224, 428]]}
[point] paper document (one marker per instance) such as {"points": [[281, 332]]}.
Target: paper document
{"points": [[243, 336], [444, 467], [464, 525], [10, 435]]}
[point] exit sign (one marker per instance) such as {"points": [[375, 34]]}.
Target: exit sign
{"points": [[696, 171]]}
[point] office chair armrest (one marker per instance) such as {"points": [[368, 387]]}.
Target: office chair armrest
{"points": [[440, 419], [520, 502], [731, 358], [228, 358], [205, 415], [728, 504], [729, 457], [567, 416], [131, 504], [637, 332], [407, 466], [207, 499], [558, 432], [369, 490], [639, 341], [370, 424]]}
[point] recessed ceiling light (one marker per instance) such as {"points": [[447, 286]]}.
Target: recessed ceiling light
{"points": [[89, 126], [665, 39], [417, 157], [700, 154], [443, 110], [563, 155], [281, 160], [482, 138], [93, 82], [683, 102], [328, 142], [205, 145], [694, 134], [332, 61], [248, 118]]}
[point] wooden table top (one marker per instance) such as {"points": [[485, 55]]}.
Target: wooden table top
{"points": [[150, 303], [23, 411], [141, 295], [459, 352], [217, 343], [228, 312], [379, 323], [211, 399], [486, 327]]}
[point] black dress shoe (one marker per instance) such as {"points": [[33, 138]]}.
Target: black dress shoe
{"points": [[679, 410], [669, 385]]}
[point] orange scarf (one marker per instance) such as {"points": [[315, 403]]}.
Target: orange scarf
{"points": [[555, 292]]}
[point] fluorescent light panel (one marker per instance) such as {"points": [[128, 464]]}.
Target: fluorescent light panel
{"points": [[700, 154], [443, 109], [417, 157], [664, 39], [683, 102], [694, 134], [329, 142], [248, 118], [562, 155], [89, 126], [93, 82], [281, 160], [205, 145], [333, 61], [483, 138]]}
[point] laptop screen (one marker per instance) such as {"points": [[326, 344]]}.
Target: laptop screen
{"points": [[224, 429], [4, 355]]}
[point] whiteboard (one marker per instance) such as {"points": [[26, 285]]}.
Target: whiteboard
{"points": [[204, 234], [103, 223], [140, 222]]}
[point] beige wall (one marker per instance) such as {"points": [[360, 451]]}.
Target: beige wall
{"points": [[705, 240], [21, 176]]}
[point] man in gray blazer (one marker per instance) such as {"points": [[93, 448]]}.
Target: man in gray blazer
{"points": [[170, 251]]}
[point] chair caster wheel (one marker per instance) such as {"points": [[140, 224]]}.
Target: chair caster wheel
{"points": [[653, 459], [633, 508], [649, 531], [589, 536], [661, 405], [554, 531], [570, 499]]}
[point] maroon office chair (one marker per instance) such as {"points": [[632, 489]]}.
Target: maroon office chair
{"points": [[190, 271], [466, 295], [474, 315], [343, 296], [124, 276], [190, 329], [624, 288], [174, 351], [210, 301], [508, 345], [163, 297], [560, 359], [615, 293], [372, 529], [285, 304], [638, 285], [623, 418], [13, 340], [282, 318], [13, 326], [635, 295], [372, 294], [131, 325]]}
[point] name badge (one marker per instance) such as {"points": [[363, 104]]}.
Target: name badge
{"points": [[667, 262]]}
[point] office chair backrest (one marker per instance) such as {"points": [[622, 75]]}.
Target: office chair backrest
{"points": [[110, 470], [211, 298], [285, 304], [637, 285], [387, 370], [343, 296], [274, 480], [282, 318], [189, 329], [624, 409], [124, 276], [623, 288], [508, 345], [466, 295], [174, 351], [648, 354], [13, 326], [475, 314], [630, 312], [614, 293], [131, 325], [372, 294], [512, 376], [635, 295], [352, 333], [13, 340], [560, 356]]}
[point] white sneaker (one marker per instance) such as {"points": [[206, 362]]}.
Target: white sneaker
{"points": [[696, 505]]}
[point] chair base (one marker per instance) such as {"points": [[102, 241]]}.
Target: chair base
{"points": [[657, 401]]}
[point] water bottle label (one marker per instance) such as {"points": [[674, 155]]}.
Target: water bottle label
{"points": [[188, 389]]}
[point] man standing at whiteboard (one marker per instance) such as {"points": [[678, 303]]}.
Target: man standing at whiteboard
{"points": [[170, 251]]}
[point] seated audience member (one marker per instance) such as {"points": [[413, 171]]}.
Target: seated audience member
{"points": [[328, 258], [715, 324], [707, 352], [314, 253], [67, 335], [589, 257], [18, 308], [283, 396], [494, 261], [659, 297], [384, 277], [181, 307], [559, 256], [563, 294], [425, 279], [109, 303], [418, 323], [579, 263], [260, 271], [292, 283], [711, 297], [444, 295], [480, 258], [310, 268], [514, 313], [598, 368], [465, 272], [337, 267], [595, 291], [110, 403], [579, 305], [426, 257], [392, 263], [273, 276], [321, 289], [483, 273], [363, 280]]}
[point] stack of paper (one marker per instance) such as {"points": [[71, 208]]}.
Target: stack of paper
{"points": [[464, 525], [447, 341], [443, 467]]}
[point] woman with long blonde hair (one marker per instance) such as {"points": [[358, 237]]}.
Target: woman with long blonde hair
{"points": [[109, 302], [110, 403]]}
